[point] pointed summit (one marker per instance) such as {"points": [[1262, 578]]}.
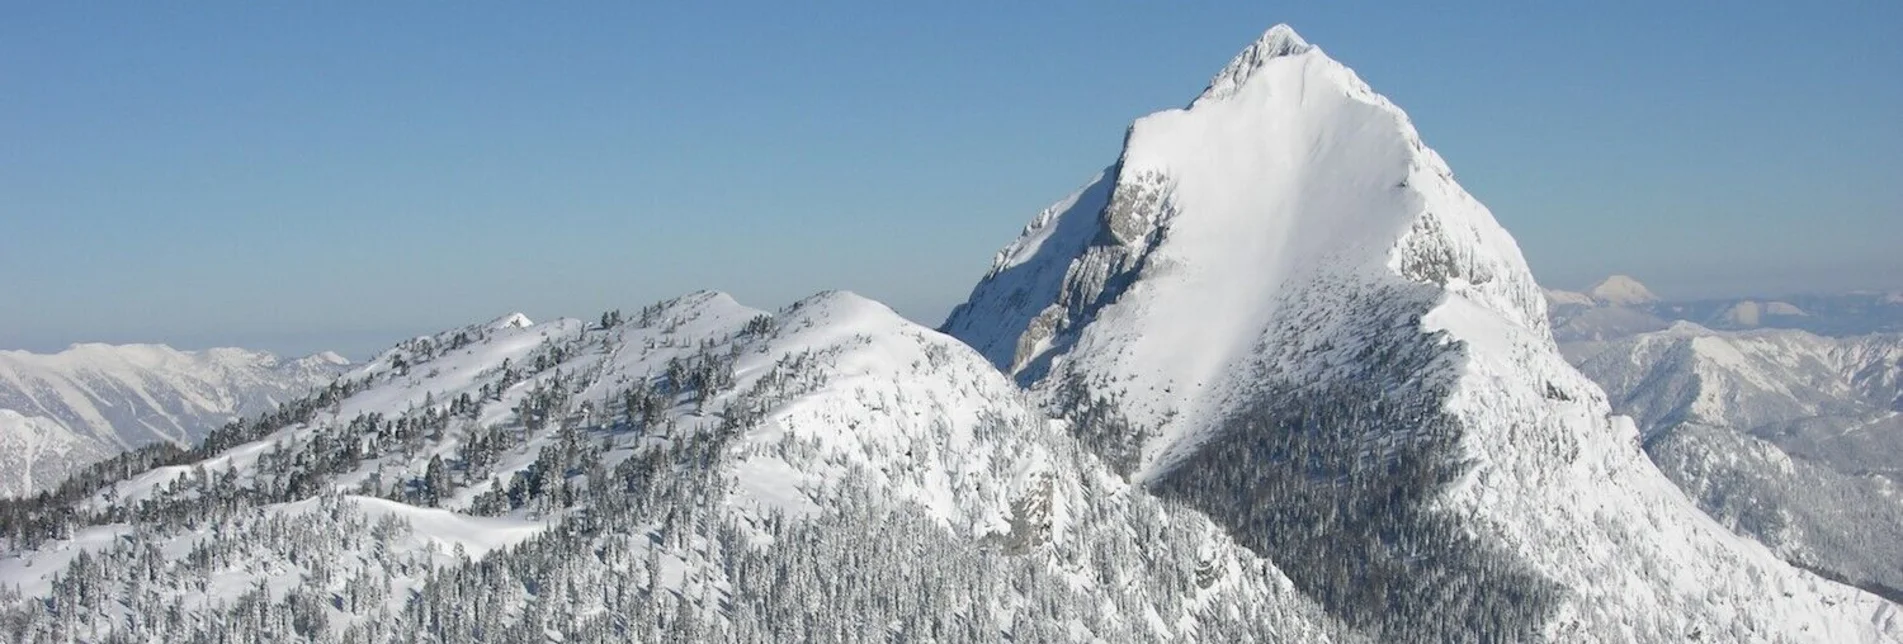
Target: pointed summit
{"points": [[1277, 42], [1280, 309]]}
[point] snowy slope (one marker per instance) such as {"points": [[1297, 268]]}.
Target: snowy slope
{"points": [[94, 400], [35, 451], [1770, 381], [1300, 176], [1786, 436], [690, 461], [1282, 273]]}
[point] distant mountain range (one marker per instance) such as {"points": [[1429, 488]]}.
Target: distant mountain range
{"points": [[64, 410], [1621, 306], [1783, 434]]}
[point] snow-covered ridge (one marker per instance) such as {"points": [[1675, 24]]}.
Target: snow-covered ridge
{"points": [[1750, 380], [98, 399], [1786, 436], [1278, 41], [1286, 247], [1294, 182], [683, 442]]}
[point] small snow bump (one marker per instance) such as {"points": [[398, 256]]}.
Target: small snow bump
{"points": [[512, 321]]}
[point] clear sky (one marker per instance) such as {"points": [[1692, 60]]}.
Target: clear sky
{"points": [[308, 175]]}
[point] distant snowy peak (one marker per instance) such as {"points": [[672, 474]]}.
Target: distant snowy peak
{"points": [[1616, 307], [1622, 290], [1751, 313], [831, 406], [1620, 306], [1617, 290]]}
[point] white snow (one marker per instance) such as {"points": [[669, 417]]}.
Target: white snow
{"points": [[440, 530], [1264, 231], [1622, 290], [1288, 172], [101, 399]]}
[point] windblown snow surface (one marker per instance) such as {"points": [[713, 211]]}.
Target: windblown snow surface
{"points": [[1278, 307]]}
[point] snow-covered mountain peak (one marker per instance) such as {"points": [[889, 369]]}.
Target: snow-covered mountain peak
{"points": [[1622, 290], [1284, 273], [837, 303], [1278, 41], [672, 446], [512, 320], [1235, 225]]}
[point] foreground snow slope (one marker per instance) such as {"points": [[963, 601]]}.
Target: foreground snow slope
{"points": [[95, 400], [1279, 307], [702, 469]]}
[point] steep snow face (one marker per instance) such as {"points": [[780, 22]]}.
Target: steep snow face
{"points": [[1283, 274], [94, 400], [1230, 222]]}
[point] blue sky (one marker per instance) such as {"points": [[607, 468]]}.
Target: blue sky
{"points": [[301, 177]]}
